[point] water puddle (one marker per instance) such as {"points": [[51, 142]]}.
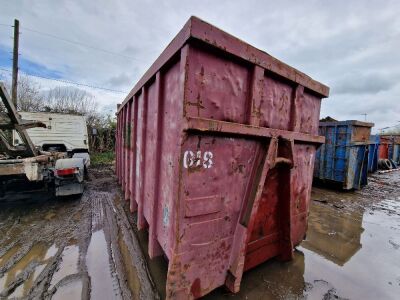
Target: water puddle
{"points": [[157, 267], [359, 260], [51, 252], [68, 264], [348, 254], [97, 260], [10, 253], [3, 282], [332, 234], [130, 270], [71, 290], [38, 253], [23, 289]]}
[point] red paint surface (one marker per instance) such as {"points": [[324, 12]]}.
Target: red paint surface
{"points": [[384, 147], [384, 151], [218, 196]]}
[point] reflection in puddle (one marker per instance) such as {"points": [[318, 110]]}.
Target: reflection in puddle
{"points": [[158, 266], [130, 270], [332, 234], [68, 264], [270, 280], [98, 267], [71, 290], [372, 272], [347, 254]]}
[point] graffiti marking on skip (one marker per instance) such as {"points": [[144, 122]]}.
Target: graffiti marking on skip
{"points": [[196, 159]]}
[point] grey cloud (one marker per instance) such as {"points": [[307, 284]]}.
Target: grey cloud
{"points": [[120, 80], [352, 46], [108, 109], [363, 84], [131, 50]]}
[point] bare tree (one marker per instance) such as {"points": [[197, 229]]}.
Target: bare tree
{"points": [[29, 96], [66, 99], [69, 100], [62, 99]]}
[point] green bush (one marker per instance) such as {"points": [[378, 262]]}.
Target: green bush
{"points": [[102, 158]]}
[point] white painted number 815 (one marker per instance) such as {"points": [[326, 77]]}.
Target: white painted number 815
{"points": [[195, 160]]}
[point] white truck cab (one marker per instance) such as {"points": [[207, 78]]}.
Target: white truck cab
{"points": [[63, 133]]}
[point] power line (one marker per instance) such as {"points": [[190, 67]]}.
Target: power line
{"points": [[68, 82], [72, 42], [79, 43], [76, 83]]}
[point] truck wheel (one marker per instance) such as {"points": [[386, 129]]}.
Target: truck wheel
{"points": [[86, 173]]}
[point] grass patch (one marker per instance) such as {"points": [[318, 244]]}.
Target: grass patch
{"points": [[102, 158]]}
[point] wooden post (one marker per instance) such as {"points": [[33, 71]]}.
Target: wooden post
{"points": [[15, 64]]}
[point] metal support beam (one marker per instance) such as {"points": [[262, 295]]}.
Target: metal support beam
{"points": [[29, 149], [209, 125]]}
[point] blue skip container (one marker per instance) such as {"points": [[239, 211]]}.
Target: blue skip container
{"points": [[373, 153], [343, 158]]}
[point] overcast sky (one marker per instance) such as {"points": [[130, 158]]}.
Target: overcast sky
{"points": [[351, 46]]}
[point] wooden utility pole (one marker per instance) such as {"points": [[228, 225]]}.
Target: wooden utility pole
{"points": [[15, 63], [365, 116]]}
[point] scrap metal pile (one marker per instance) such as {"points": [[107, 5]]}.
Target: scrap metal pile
{"points": [[25, 162]]}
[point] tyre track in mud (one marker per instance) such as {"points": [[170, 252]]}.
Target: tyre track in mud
{"points": [[53, 249], [36, 230]]}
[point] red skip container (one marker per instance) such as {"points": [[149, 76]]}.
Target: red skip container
{"points": [[215, 151]]}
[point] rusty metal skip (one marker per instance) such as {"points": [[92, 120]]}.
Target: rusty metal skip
{"points": [[215, 152]]}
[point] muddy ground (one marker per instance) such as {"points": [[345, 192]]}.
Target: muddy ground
{"points": [[72, 248], [90, 248]]}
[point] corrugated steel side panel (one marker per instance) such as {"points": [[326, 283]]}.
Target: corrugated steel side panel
{"points": [[344, 157], [373, 153], [385, 148], [390, 147], [332, 157], [396, 153]]}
